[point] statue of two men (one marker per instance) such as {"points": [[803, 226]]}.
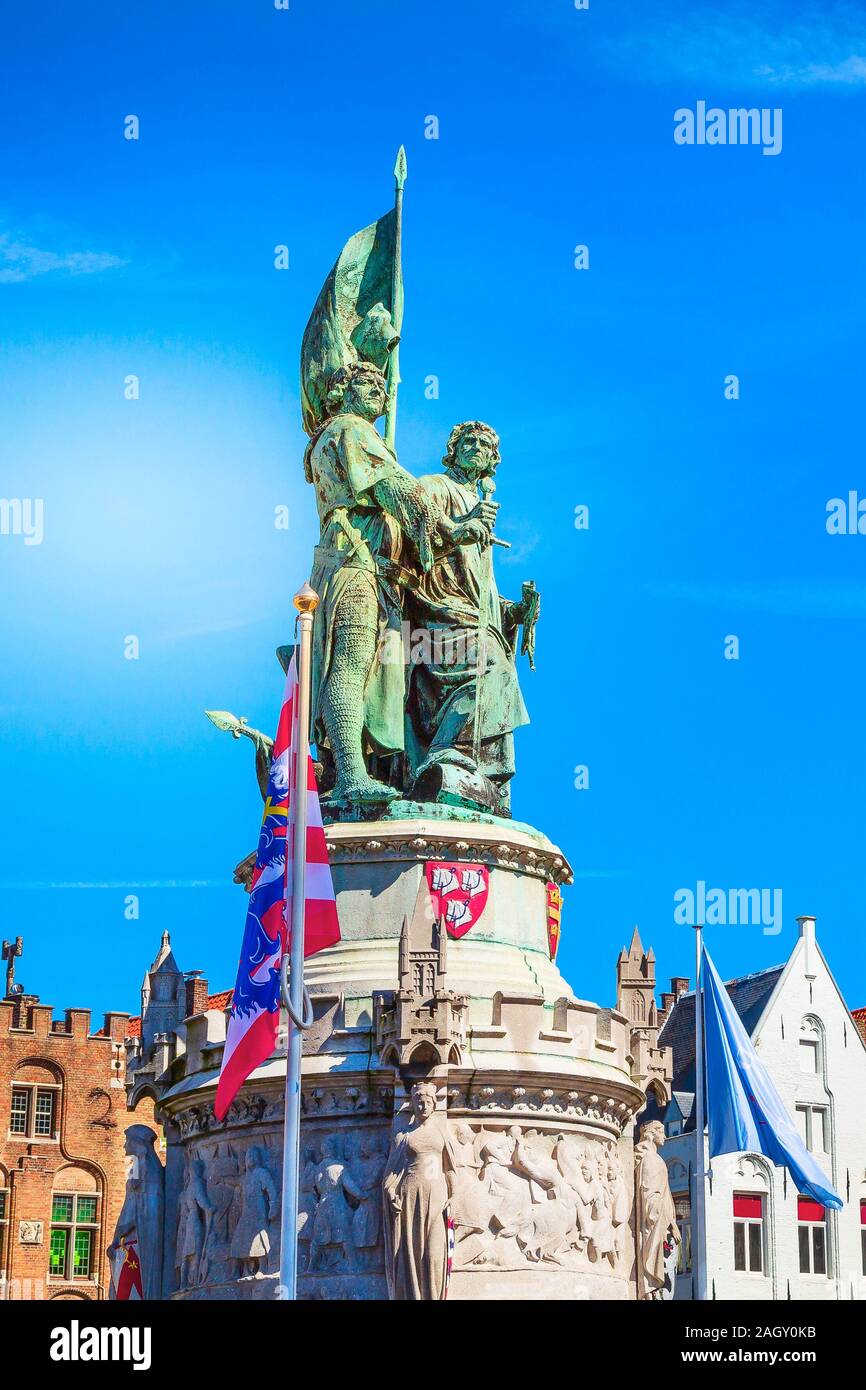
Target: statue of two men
{"points": [[395, 549]]}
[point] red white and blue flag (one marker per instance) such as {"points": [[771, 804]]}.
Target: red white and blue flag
{"points": [[254, 1019]]}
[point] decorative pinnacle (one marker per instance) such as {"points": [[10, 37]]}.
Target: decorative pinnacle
{"points": [[306, 600], [400, 167]]}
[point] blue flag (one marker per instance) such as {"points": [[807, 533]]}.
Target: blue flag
{"points": [[745, 1112]]}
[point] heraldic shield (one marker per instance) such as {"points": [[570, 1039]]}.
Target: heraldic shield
{"points": [[554, 918], [458, 893]]}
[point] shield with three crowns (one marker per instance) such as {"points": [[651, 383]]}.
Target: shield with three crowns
{"points": [[458, 893]]}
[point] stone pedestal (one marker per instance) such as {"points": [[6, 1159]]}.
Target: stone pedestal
{"points": [[538, 1100]]}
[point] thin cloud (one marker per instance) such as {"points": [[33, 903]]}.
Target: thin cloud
{"points": [[27, 884], [749, 46], [808, 599], [20, 261]]}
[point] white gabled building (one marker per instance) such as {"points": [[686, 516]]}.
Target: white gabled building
{"points": [[764, 1241]]}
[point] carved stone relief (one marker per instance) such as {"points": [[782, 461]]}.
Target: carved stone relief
{"points": [[340, 1211], [538, 1193], [228, 1212], [30, 1232], [521, 1196]]}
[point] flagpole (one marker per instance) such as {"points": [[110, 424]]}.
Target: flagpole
{"points": [[699, 1210], [396, 299], [306, 601]]}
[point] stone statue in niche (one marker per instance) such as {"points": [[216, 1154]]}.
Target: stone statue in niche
{"points": [[141, 1217], [330, 1239], [362, 1177], [415, 1191], [195, 1211], [251, 1241], [657, 1233]]}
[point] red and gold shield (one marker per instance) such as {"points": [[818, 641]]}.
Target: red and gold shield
{"points": [[554, 918], [458, 893]]}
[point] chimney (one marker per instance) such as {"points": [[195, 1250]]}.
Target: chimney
{"points": [[679, 986], [196, 992], [807, 936]]}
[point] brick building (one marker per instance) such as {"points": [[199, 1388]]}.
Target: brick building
{"points": [[63, 1115]]}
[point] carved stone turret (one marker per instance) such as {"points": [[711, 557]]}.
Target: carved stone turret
{"points": [[651, 1065], [423, 1023], [163, 1009]]}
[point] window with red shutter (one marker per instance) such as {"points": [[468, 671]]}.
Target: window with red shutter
{"points": [[748, 1233], [812, 1236]]}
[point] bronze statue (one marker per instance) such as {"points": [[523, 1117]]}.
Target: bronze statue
{"points": [[395, 554], [464, 703], [378, 527]]}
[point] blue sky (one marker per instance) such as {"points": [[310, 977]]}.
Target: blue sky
{"points": [[707, 516]]}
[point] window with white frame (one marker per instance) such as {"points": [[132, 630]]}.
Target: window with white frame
{"points": [[34, 1110], [812, 1236], [72, 1242], [749, 1233], [20, 1116], [813, 1121]]}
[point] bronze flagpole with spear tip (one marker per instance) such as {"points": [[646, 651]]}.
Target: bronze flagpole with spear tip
{"points": [[396, 299]]}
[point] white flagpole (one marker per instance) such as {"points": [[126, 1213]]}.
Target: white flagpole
{"points": [[699, 1204], [306, 601]]}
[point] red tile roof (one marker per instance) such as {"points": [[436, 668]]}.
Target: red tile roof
{"points": [[859, 1017], [220, 1000]]}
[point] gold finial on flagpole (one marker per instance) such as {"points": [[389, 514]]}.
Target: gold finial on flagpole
{"points": [[306, 600]]}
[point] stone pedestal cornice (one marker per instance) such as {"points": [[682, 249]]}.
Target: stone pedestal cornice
{"points": [[503, 847]]}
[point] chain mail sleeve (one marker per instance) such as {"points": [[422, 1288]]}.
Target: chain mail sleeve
{"points": [[418, 514]]}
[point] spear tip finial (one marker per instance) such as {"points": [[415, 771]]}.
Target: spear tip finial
{"points": [[400, 167]]}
